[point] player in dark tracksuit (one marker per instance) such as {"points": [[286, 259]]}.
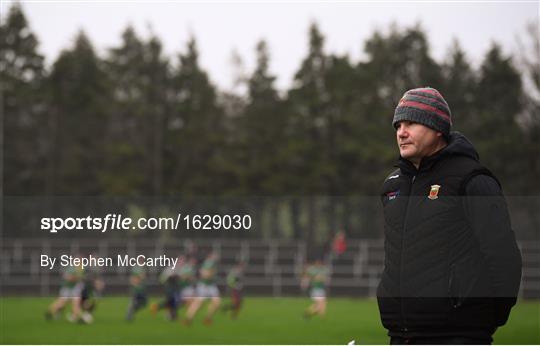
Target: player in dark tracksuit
{"points": [[170, 278], [139, 298], [93, 286]]}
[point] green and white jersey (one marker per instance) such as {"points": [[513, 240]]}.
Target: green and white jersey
{"points": [[208, 272], [234, 279], [137, 281], [72, 276], [318, 276], [187, 275]]}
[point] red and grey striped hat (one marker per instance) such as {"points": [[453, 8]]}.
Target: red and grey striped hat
{"points": [[425, 106]]}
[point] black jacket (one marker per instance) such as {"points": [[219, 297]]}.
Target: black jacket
{"points": [[452, 265]]}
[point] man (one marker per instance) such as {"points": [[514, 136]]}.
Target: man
{"points": [[70, 291], [187, 281], [234, 283], [139, 297], [339, 244], [206, 289], [316, 278], [452, 266], [93, 286], [170, 278]]}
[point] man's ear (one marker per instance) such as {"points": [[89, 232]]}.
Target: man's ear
{"points": [[442, 137]]}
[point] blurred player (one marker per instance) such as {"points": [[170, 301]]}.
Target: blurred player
{"points": [[316, 277], [170, 278], [70, 291], [339, 244], [187, 282], [93, 285], [234, 283], [139, 298], [206, 289]]}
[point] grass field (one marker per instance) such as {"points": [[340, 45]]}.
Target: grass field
{"points": [[262, 321]]}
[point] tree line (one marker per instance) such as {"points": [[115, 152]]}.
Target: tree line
{"points": [[135, 122]]}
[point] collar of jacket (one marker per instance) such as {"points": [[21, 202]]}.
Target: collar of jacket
{"points": [[408, 168], [457, 145]]}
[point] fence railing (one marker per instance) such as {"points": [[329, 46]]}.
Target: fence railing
{"points": [[273, 267]]}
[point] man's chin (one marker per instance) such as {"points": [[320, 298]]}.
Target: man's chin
{"points": [[405, 154], [410, 156]]}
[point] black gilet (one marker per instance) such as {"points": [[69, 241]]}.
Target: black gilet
{"points": [[426, 238]]}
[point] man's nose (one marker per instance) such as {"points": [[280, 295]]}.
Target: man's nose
{"points": [[401, 131]]}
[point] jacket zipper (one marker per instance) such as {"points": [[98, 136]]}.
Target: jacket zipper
{"points": [[454, 295], [404, 329]]}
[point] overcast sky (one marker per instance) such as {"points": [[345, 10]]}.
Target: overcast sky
{"points": [[222, 27]]}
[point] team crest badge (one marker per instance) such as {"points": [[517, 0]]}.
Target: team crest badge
{"points": [[434, 192], [392, 195]]}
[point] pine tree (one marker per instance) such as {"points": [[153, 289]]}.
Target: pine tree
{"points": [[308, 100], [196, 137], [22, 106], [79, 100], [401, 61], [459, 88], [141, 83], [530, 118], [498, 103], [263, 131]]}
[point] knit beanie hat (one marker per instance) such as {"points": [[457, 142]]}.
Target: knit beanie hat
{"points": [[425, 106]]}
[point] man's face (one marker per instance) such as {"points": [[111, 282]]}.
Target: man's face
{"points": [[416, 141]]}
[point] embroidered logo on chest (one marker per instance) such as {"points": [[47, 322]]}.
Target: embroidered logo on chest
{"points": [[434, 192]]}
